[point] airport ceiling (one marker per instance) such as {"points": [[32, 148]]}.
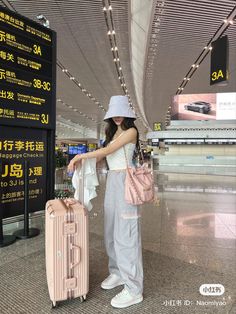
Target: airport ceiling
{"points": [[154, 46]]}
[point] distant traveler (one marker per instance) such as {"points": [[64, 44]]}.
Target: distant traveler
{"points": [[122, 232]]}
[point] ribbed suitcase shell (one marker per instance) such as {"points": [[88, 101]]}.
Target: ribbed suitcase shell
{"points": [[67, 251]]}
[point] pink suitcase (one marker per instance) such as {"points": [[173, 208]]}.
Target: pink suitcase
{"points": [[67, 251]]}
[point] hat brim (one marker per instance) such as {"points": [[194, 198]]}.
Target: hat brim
{"points": [[107, 116]]}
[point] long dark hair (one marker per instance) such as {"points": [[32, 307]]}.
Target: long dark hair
{"points": [[125, 125]]}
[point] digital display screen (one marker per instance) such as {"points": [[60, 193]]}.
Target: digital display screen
{"points": [[77, 149], [72, 150]]}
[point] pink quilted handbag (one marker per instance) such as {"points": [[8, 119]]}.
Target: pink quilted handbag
{"points": [[139, 184]]}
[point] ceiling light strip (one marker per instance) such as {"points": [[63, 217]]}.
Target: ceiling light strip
{"points": [[113, 43], [71, 125], [107, 9], [76, 110], [79, 84], [218, 33]]}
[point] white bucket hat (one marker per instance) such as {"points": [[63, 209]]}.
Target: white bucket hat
{"points": [[119, 107]]}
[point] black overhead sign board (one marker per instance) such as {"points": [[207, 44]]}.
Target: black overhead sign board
{"points": [[27, 112], [219, 61], [27, 78]]}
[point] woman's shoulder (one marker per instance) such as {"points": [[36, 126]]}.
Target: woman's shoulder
{"points": [[126, 136], [131, 131]]}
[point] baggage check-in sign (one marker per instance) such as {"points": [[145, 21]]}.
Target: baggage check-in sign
{"points": [[15, 148], [27, 112]]}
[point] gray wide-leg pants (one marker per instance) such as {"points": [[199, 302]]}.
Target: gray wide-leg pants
{"points": [[122, 234]]}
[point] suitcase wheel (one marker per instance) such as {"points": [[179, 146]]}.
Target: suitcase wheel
{"points": [[54, 304], [83, 298]]}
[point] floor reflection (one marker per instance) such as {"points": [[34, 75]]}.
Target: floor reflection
{"points": [[196, 220], [217, 225]]}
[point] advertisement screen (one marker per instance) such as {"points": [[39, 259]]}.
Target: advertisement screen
{"points": [[215, 106]]}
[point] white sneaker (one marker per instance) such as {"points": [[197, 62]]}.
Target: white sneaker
{"points": [[125, 299], [111, 282]]}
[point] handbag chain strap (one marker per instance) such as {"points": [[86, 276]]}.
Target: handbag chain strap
{"points": [[140, 152]]}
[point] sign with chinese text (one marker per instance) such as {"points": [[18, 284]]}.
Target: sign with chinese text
{"points": [[15, 148], [27, 72], [27, 112]]}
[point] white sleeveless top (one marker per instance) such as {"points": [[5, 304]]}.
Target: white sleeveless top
{"points": [[116, 160]]}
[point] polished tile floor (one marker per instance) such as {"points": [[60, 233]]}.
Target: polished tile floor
{"points": [[188, 240]]}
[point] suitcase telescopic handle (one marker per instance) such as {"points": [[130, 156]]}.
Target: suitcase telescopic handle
{"points": [[77, 248]]}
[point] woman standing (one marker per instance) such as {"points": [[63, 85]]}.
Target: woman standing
{"points": [[122, 232]]}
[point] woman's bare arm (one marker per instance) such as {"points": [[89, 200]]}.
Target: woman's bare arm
{"points": [[129, 136]]}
